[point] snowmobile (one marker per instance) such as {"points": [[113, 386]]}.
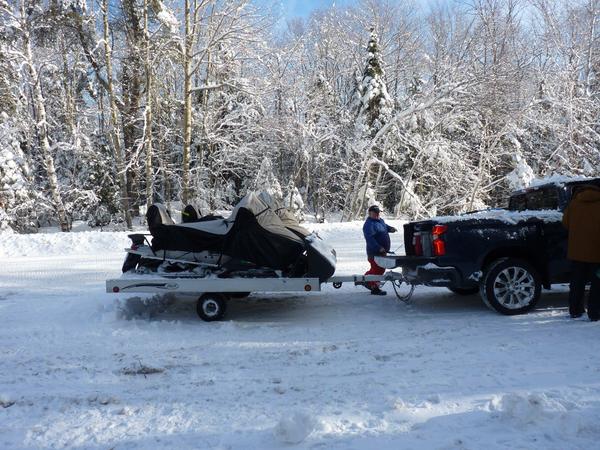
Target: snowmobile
{"points": [[258, 239]]}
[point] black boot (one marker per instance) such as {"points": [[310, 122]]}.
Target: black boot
{"points": [[377, 291]]}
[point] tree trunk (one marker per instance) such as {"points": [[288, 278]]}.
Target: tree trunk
{"points": [[131, 93], [115, 135], [42, 130], [187, 107], [148, 115], [132, 84]]}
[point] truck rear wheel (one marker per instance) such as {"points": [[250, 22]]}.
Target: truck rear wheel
{"points": [[511, 286], [211, 307]]}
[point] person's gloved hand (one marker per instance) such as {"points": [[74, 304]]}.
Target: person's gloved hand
{"points": [[383, 252], [392, 230]]}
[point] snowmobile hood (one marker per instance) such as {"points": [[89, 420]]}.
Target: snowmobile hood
{"points": [[285, 215]]}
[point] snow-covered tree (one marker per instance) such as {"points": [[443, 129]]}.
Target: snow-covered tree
{"points": [[373, 103], [374, 108], [109, 105], [17, 196]]}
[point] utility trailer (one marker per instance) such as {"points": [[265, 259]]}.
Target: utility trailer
{"points": [[214, 291]]}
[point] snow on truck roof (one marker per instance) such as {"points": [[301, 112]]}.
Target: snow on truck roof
{"points": [[504, 215], [558, 180]]}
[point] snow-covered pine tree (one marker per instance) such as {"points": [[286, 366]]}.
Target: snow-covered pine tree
{"points": [[373, 104], [267, 181], [522, 175], [17, 196], [374, 108]]}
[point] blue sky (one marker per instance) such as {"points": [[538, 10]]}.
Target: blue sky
{"points": [[298, 8]]}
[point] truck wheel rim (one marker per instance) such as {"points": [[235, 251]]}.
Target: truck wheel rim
{"points": [[210, 308], [514, 288]]}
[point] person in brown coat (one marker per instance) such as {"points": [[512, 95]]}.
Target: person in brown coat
{"points": [[582, 219]]}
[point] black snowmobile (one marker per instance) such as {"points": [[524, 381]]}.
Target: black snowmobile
{"points": [[258, 239]]}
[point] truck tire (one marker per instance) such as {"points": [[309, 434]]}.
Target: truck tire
{"points": [[211, 307], [464, 291], [511, 286]]}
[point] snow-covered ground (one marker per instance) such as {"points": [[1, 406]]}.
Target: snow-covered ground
{"points": [[337, 369]]}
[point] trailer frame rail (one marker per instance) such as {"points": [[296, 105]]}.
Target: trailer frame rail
{"points": [[214, 291]]}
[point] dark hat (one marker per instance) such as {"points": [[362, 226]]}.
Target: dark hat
{"points": [[374, 208]]}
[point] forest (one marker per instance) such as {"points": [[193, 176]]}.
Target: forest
{"points": [[107, 106]]}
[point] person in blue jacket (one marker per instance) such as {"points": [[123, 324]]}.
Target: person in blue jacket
{"points": [[377, 235]]}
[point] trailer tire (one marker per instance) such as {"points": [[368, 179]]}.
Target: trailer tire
{"points": [[211, 307], [511, 286]]}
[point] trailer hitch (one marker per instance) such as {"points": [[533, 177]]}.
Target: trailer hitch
{"points": [[399, 290]]}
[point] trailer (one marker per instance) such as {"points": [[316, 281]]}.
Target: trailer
{"points": [[214, 292]]}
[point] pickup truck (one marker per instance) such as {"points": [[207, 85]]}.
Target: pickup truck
{"points": [[507, 255]]}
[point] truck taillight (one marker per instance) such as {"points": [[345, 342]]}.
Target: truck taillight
{"points": [[439, 246], [417, 244]]}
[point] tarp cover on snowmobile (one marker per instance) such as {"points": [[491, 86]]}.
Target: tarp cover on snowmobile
{"points": [[254, 232]]}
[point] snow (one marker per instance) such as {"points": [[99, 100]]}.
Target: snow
{"points": [[167, 18], [504, 215], [337, 369], [522, 175], [557, 179], [295, 428]]}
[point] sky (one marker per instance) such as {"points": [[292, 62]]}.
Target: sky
{"points": [[289, 9]]}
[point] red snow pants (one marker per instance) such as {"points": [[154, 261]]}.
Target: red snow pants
{"points": [[374, 270]]}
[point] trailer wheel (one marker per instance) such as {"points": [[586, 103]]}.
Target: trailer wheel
{"points": [[211, 307], [337, 284], [511, 286]]}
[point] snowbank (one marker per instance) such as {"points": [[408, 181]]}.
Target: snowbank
{"points": [[57, 244]]}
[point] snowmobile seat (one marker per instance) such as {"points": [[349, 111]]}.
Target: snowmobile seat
{"points": [[189, 214], [158, 215], [137, 238], [210, 217]]}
